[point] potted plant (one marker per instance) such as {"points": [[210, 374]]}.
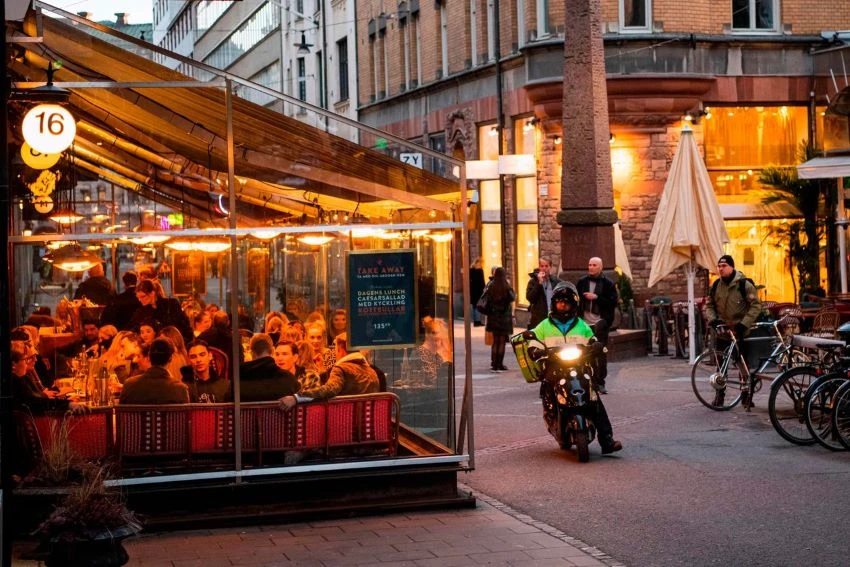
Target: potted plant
{"points": [[87, 527]]}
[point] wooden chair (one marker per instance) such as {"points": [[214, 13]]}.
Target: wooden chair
{"points": [[220, 362], [825, 324]]}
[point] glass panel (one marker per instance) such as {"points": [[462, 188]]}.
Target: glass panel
{"points": [[741, 14], [528, 254], [488, 142], [759, 241], [526, 197], [491, 246], [764, 14], [309, 188], [634, 13], [754, 136]]}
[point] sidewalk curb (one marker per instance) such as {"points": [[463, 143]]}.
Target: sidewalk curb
{"points": [[546, 528]]}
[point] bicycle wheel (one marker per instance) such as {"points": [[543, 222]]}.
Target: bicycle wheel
{"points": [[819, 400], [715, 389], [841, 415], [786, 405]]}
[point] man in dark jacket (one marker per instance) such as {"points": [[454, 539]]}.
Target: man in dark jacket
{"points": [[96, 288], [205, 385], [538, 292], [156, 385], [261, 379], [597, 302], [121, 310]]}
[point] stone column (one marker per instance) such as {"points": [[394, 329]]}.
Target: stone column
{"points": [[587, 198]]}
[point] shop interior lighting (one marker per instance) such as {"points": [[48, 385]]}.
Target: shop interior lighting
{"points": [[315, 239], [72, 258]]}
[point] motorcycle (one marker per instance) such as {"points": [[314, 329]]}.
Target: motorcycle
{"points": [[566, 376]]}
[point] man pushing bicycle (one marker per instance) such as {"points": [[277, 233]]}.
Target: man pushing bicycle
{"points": [[733, 300]]}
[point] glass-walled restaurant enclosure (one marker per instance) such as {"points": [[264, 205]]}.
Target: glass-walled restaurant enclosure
{"points": [[285, 217]]}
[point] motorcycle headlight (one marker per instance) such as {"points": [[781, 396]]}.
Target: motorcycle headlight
{"points": [[571, 352]]}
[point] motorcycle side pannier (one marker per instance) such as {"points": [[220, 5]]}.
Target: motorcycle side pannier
{"points": [[530, 370]]}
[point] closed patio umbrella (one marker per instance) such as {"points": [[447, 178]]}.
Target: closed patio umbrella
{"points": [[688, 228]]}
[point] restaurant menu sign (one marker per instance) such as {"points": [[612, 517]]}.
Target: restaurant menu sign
{"points": [[188, 273], [381, 298]]}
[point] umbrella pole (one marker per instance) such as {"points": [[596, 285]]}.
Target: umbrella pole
{"points": [[690, 270]]}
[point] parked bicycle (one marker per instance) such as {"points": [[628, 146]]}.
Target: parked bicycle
{"points": [[841, 414], [786, 403], [721, 378], [820, 405]]}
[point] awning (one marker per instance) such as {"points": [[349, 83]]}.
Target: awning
{"points": [[170, 144], [825, 168], [746, 211]]}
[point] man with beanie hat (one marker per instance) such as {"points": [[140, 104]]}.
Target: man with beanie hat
{"points": [[733, 300]]}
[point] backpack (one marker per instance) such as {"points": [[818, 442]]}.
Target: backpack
{"points": [[742, 286]]}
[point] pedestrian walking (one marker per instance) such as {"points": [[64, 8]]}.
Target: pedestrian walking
{"points": [[500, 297], [476, 288]]}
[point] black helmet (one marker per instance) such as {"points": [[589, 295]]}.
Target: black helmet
{"points": [[568, 292]]}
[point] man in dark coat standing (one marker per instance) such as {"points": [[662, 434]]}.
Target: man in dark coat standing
{"points": [[121, 310], [538, 292], [597, 302], [96, 288]]}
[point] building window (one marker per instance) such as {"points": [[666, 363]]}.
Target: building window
{"points": [[754, 15], [542, 19], [417, 48], [320, 72], [342, 62], [473, 32], [491, 30], [437, 142], [521, 37], [635, 15], [302, 79], [527, 231], [254, 30], [444, 40]]}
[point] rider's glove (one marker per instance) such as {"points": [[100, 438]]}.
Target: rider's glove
{"points": [[740, 330]]}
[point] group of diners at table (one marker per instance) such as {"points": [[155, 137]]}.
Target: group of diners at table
{"points": [[156, 350]]}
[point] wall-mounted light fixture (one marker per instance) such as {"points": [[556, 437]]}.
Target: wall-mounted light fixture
{"points": [[694, 116], [303, 46], [530, 124], [494, 131], [557, 140]]}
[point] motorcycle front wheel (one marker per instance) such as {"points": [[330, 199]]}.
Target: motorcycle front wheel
{"points": [[582, 446], [714, 389]]}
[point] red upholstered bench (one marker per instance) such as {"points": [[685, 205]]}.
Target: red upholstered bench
{"points": [[89, 434], [151, 439]]}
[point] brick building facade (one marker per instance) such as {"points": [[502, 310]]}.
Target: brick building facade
{"points": [[429, 72]]}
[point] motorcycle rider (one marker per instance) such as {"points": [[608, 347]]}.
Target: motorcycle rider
{"points": [[563, 326]]}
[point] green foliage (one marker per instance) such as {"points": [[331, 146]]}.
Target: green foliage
{"points": [[624, 285], [801, 237]]}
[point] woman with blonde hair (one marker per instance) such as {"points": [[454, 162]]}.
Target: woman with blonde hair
{"points": [[122, 354], [180, 357], [306, 356], [325, 357]]}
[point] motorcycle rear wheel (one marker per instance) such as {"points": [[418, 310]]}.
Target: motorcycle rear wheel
{"points": [[582, 446]]}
